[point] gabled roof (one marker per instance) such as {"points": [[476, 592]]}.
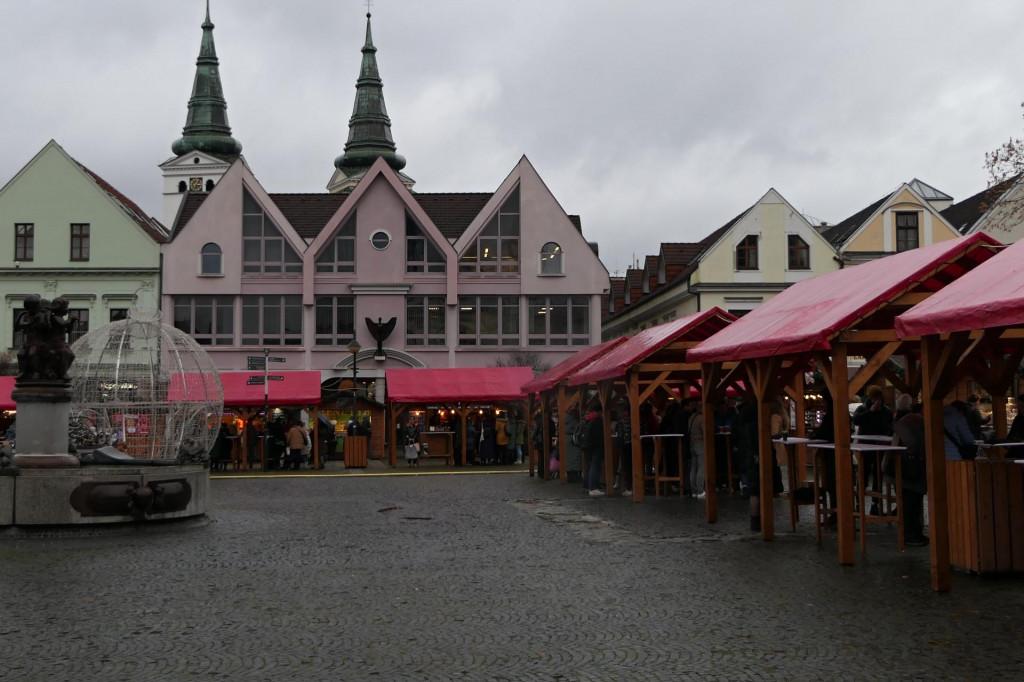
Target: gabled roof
{"points": [[964, 214], [634, 285], [189, 205], [838, 234], [811, 313], [565, 368], [308, 213], [990, 295], [618, 360], [651, 272], [616, 289], [452, 212], [150, 226]]}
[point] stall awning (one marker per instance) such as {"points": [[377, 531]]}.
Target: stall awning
{"points": [[297, 388], [465, 385], [6, 401], [808, 315], [614, 363], [991, 295], [580, 358]]}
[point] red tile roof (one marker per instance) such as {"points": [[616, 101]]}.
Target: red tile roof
{"points": [[149, 225]]}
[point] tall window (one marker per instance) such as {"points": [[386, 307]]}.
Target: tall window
{"points": [[24, 241], [799, 253], [340, 253], [420, 253], [746, 253], [79, 241], [118, 314], [264, 249], [496, 249], [272, 320], [906, 232], [210, 260], [424, 321], [335, 320], [559, 320], [209, 319], [551, 259], [488, 320], [81, 328]]}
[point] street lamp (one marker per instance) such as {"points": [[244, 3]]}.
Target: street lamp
{"points": [[354, 349]]}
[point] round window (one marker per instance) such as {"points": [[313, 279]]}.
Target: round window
{"points": [[380, 240]]}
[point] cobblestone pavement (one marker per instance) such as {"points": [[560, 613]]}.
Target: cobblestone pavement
{"points": [[485, 577]]}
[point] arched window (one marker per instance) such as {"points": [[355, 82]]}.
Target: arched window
{"points": [[182, 186], [210, 260], [209, 185], [551, 259]]}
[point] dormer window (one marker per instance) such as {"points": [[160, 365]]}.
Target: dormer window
{"points": [[551, 259], [746, 253], [907, 236], [209, 185], [210, 260]]}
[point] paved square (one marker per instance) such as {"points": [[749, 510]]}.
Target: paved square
{"points": [[485, 577]]}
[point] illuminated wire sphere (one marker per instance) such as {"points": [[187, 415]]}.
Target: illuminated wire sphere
{"points": [[147, 388]]}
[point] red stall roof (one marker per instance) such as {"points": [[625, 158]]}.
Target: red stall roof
{"points": [[457, 384], [6, 401], [991, 295], [299, 387], [806, 316], [550, 378], [614, 363]]}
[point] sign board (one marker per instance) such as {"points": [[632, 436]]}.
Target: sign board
{"points": [[273, 359], [254, 381], [256, 363], [276, 377]]}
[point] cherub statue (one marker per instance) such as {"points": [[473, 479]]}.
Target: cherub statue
{"points": [[380, 331]]}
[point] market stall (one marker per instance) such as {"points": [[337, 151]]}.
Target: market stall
{"points": [[463, 389], [974, 327], [825, 320], [550, 392]]}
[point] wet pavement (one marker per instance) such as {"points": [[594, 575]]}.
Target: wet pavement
{"points": [[485, 575]]}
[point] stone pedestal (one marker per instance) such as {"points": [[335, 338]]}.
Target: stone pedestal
{"points": [[43, 412]]}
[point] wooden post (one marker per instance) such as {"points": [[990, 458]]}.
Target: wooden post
{"points": [[935, 446], [316, 437], [708, 401], [762, 370], [561, 409], [604, 394], [844, 463], [635, 448]]}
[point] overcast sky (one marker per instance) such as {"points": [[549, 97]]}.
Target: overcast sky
{"points": [[654, 121]]}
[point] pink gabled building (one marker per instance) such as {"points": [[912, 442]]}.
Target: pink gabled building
{"points": [[470, 279]]}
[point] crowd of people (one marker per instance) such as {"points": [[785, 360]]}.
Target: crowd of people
{"points": [[681, 424]]}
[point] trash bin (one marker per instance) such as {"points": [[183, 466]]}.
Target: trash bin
{"points": [[355, 452]]}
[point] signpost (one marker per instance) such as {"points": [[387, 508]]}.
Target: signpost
{"points": [[256, 363]]}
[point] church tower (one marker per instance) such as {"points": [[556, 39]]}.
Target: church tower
{"points": [[369, 129], [206, 149]]}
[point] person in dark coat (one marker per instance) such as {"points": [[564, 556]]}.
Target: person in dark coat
{"points": [[593, 447], [873, 418], [910, 433]]}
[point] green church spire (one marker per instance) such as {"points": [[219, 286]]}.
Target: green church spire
{"points": [[369, 129], [206, 128]]}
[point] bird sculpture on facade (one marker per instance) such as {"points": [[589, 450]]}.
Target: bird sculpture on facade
{"points": [[380, 331]]}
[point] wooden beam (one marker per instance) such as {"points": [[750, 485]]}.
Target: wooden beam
{"points": [[647, 367], [708, 403], [868, 336], [911, 299], [653, 386], [871, 367], [635, 447]]}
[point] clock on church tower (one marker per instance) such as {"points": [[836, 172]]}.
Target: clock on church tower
{"points": [[195, 184]]}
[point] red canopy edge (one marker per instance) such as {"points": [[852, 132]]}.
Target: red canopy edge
{"points": [[806, 316], [615, 362], [580, 358], [299, 387], [457, 384], [990, 295], [6, 401]]}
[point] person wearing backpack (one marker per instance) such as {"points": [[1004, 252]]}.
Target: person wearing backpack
{"points": [[593, 446]]}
